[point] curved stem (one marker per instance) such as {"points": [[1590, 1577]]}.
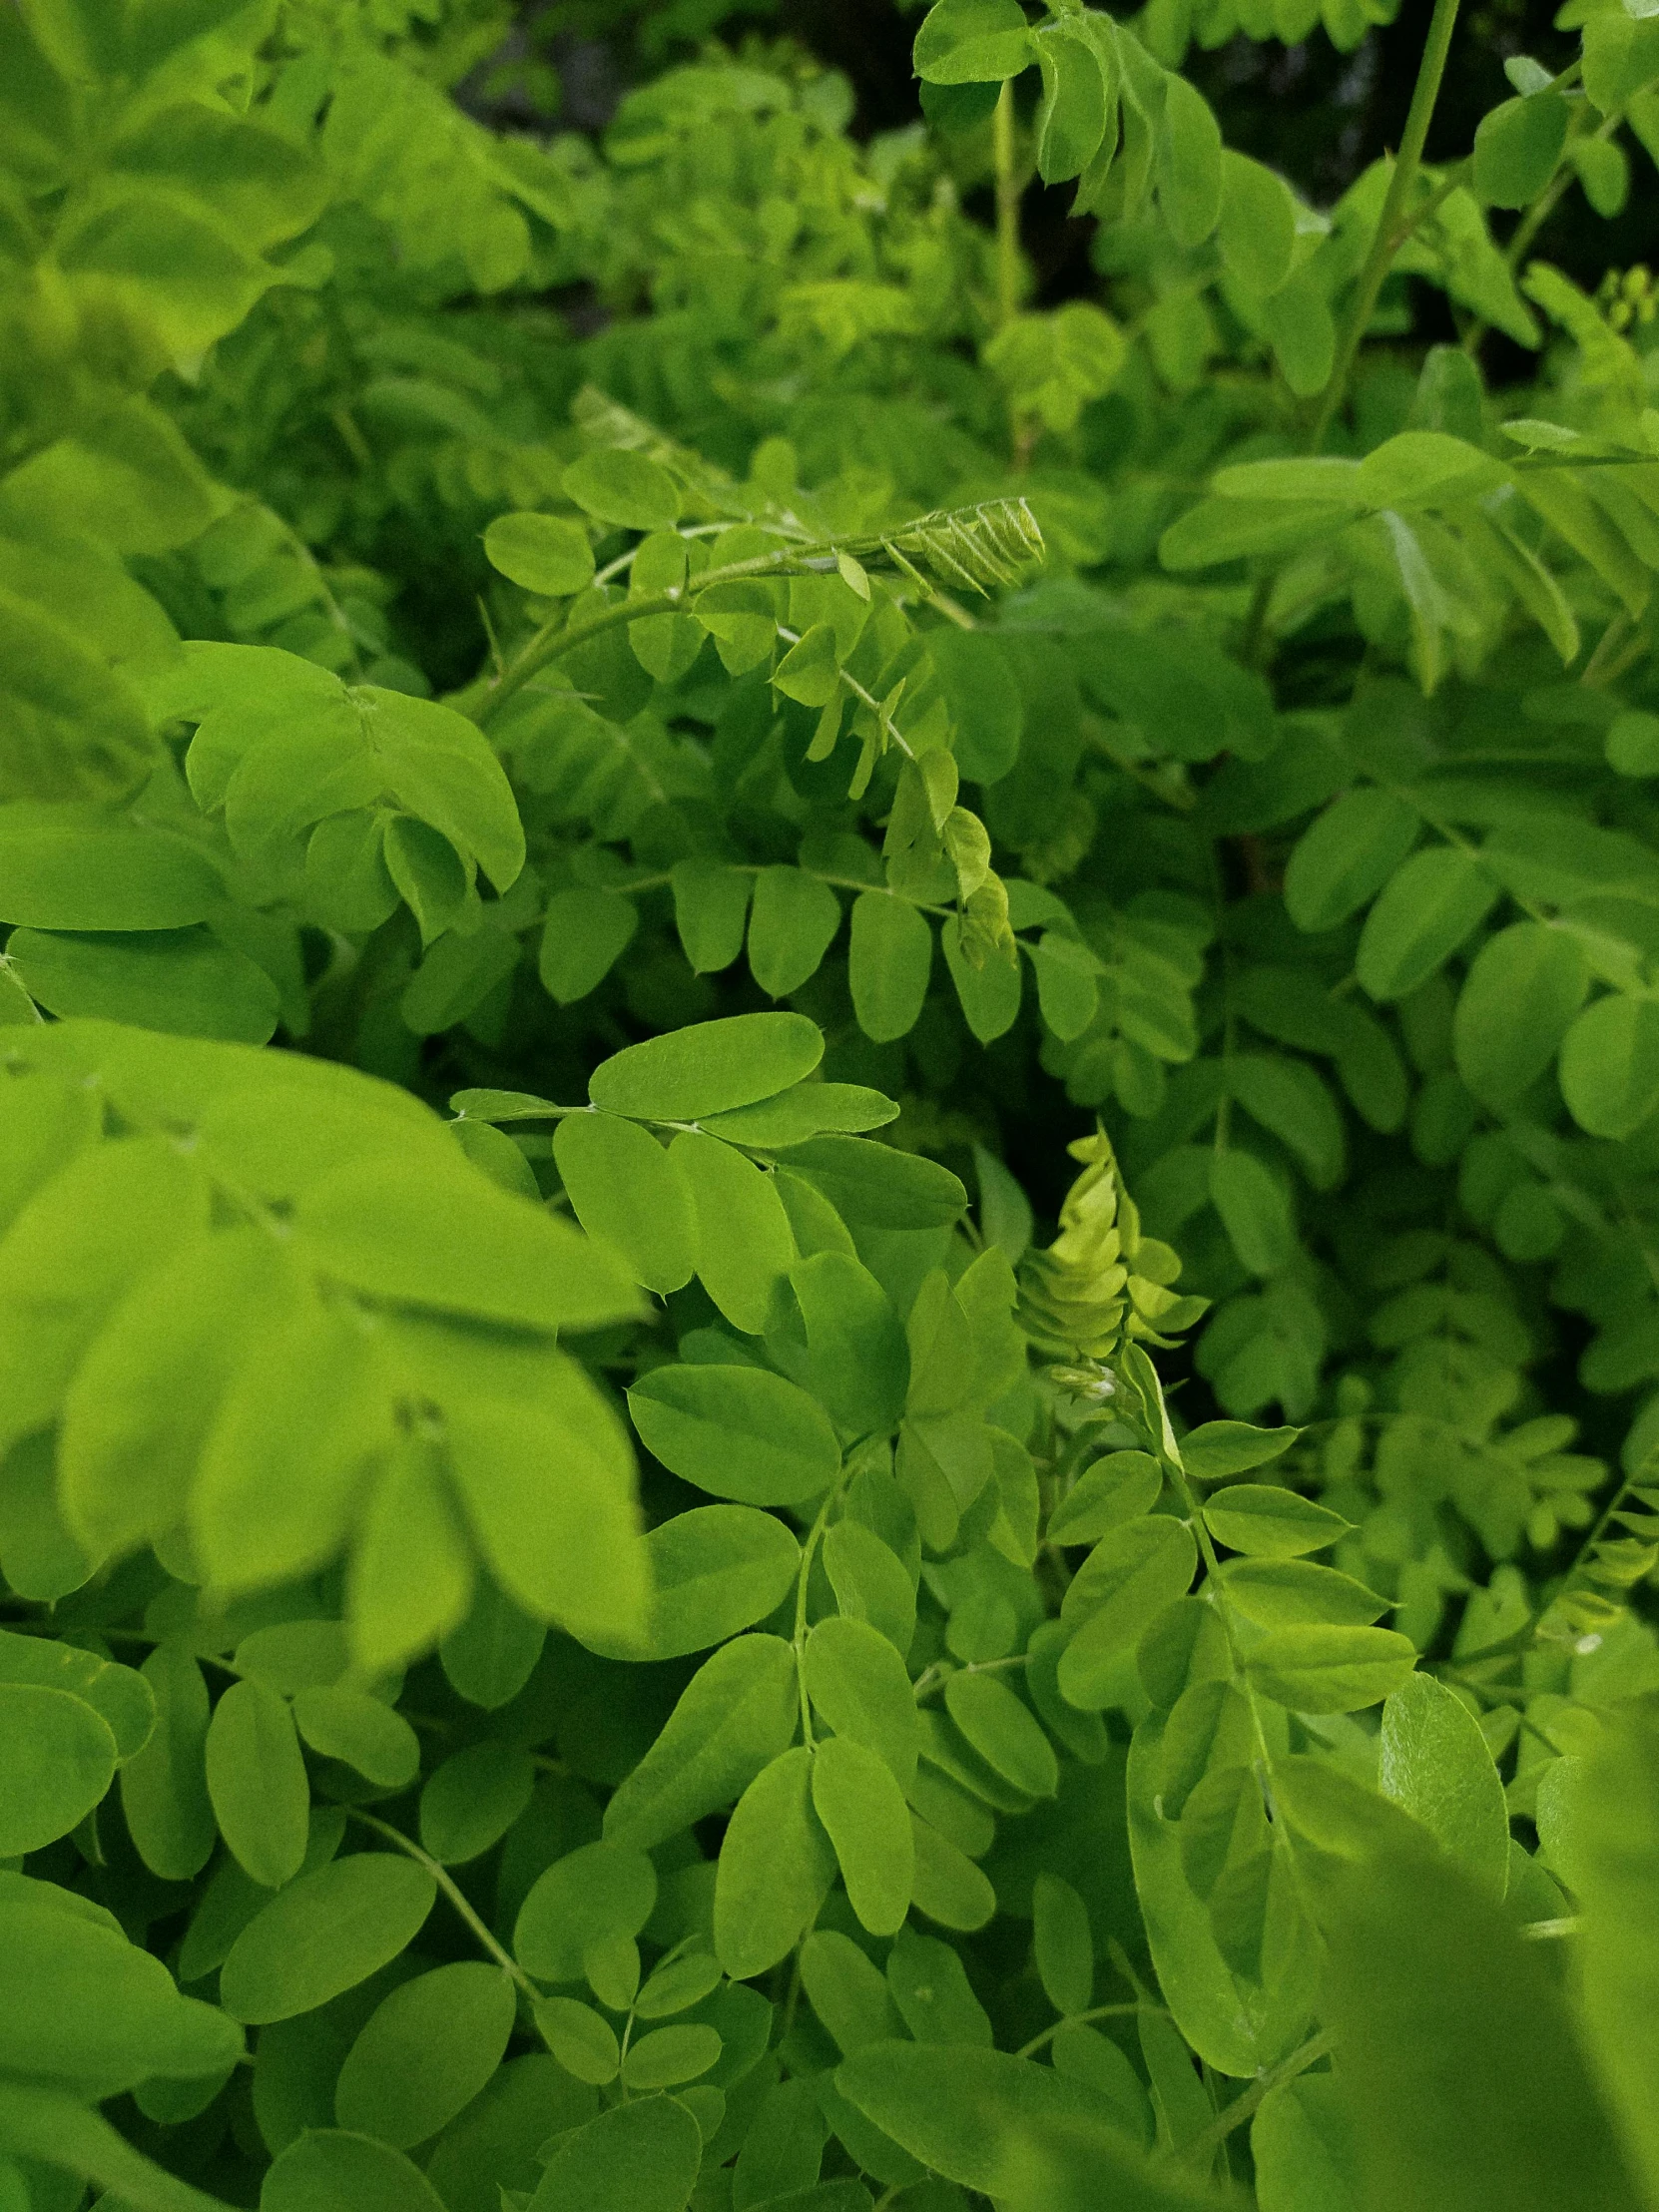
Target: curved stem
{"points": [[807, 1552], [1203, 2148], [1386, 240], [452, 1891], [1081, 2020]]}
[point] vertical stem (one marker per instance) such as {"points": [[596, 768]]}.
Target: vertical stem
{"points": [[1385, 243], [1007, 207], [807, 1552]]}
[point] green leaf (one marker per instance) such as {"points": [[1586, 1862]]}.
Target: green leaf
{"points": [[428, 874], [1621, 55], [1274, 1593], [1241, 527], [163, 1789], [1429, 906], [1516, 147], [808, 673], [56, 1760], [412, 1572], [807, 1110], [1611, 1065], [1419, 468], [74, 728], [1258, 222], [490, 1653], [323, 1933], [1523, 988], [640, 2156], [1234, 2021], [858, 1359], [949, 1888], [1347, 856], [669, 2056], [1125, 1582], [628, 490], [1118, 1489], [1003, 1731], [1223, 1448], [859, 1687], [629, 1192], [791, 924], [1189, 162], [714, 1569], [460, 1244], [256, 1781], [586, 932], [1302, 2143], [733, 1718], [775, 1868], [1266, 1523], [1064, 1943], [184, 981], [1014, 2130], [863, 1809], [281, 1463], [987, 984], [677, 1984], [82, 2006], [711, 909], [1288, 1098], [875, 1186], [78, 866], [425, 2051], [1461, 2070], [549, 1490], [968, 42], [1067, 992], [1255, 1209], [1436, 1762], [889, 960], [848, 1992], [127, 477], [545, 553], [118, 1695], [581, 2039], [1616, 1876], [1072, 119], [1634, 744], [708, 1068], [330, 2170], [1316, 1669], [349, 1725], [737, 1431], [869, 1582], [471, 1802], [601, 1890]]}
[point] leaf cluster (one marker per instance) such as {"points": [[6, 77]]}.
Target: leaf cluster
{"points": [[615, 1595]]}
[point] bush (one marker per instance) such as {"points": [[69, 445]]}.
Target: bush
{"points": [[830, 1094]]}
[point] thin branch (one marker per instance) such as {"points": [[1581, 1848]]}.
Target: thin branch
{"points": [[1385, 241], [1203, 2148], [454, 1892]]}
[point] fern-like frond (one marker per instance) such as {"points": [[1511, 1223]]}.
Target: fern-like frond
{"points": [[979, 547]]}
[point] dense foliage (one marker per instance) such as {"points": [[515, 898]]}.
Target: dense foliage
{"points": [[830, 1144]]}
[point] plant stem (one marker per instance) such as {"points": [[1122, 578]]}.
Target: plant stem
{"points": [[808, 1549], [1080, 2020], [1007, 207], [452, 1891], [1204, 2147], [1386, 242]]}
